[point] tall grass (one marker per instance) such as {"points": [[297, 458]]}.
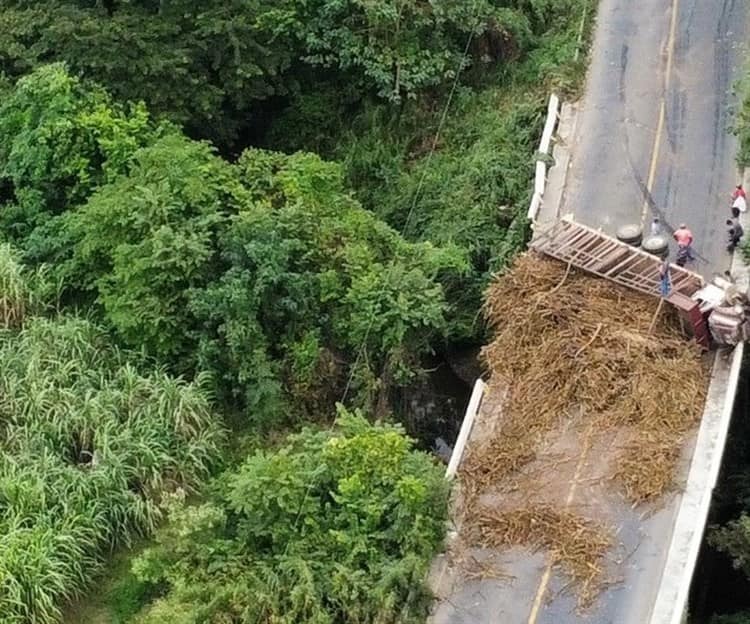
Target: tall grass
{"points": [[88, 447], [14, 294]]}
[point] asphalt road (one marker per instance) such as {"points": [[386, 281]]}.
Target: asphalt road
{"points": [[653, 137]]}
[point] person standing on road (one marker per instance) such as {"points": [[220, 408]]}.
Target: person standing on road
{"points": [[684, 238], [735, 233], [739, 199], [665, 281], [655, 227]]}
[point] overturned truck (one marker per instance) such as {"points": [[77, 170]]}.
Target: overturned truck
{"points": [[715, 312]]}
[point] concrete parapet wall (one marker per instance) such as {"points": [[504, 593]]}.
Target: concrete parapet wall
{"points": [[671, 600], [465, 432], [540, 173]]}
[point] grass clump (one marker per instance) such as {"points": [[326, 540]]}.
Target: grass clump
{"points": [[14, 292]]}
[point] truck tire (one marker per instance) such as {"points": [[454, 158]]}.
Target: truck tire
{"points": [[656, 245], [630, 234]]}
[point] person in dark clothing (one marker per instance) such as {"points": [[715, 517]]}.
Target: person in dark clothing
{"points": [[734, 233]]}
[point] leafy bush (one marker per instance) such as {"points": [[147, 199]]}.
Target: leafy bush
{"points": [[472, 192], [336, 527], [89, 446], [734, 539], [143, 241]]}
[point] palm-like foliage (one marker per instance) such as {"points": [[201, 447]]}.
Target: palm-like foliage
{"points": [[88, 446]]}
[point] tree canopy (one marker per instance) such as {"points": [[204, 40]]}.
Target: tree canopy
{"points": [[207, 64], [59, 140], [266, 272]]}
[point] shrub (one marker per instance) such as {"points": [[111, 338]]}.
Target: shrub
{"points": [[59, 140], [143, 241], [336, 527]]}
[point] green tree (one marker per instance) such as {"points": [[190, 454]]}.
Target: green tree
{"points": [[267, 273], [335, 527], [322, 284], [145, 240], [210, 64], [59, 140], [401, 47], [734, 539]]}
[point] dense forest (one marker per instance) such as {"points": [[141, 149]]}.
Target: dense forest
{"points": [[231, 235]]}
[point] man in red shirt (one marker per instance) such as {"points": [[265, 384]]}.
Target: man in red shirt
{"points": [[739, 192], [684, 238]]}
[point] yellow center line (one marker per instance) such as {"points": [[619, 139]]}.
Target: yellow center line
{"points": [[534, 614], [544, 582], [662, 109]]}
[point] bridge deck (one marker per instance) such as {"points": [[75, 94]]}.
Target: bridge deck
{"points": [[649, 567], [569, 472]]}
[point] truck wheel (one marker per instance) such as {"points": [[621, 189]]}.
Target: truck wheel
{"points": [[630, 234], [656, 245]]}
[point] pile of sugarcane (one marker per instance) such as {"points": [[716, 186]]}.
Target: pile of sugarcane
{"points": [[570, 346]]}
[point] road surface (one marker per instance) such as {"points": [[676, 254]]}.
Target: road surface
{"points": [[652, 138]]}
